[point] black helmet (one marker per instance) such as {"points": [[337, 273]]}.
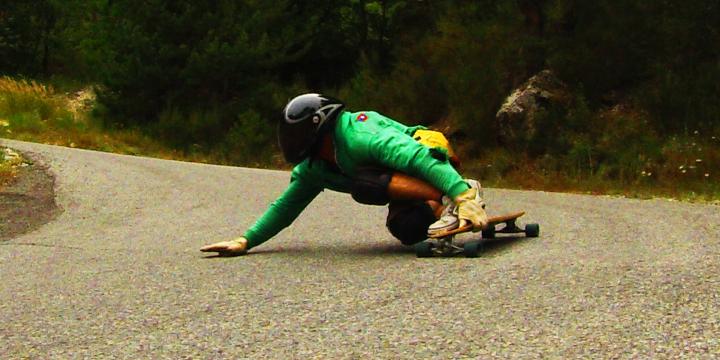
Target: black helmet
{"points": [[305, 118]]}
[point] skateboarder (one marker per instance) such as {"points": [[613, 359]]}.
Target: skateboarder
{"points": [[374, 158]]}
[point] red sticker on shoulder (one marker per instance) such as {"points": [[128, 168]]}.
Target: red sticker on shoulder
{"points": [[361, 117]]}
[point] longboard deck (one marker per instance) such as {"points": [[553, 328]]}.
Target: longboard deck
{"points": [[491, 222]]}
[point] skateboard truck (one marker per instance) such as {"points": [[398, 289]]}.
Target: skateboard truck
{"points": [[443, 245]]}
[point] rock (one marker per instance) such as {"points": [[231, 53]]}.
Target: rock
{"points": [[82, 101], [11, 157], [517, 117]]}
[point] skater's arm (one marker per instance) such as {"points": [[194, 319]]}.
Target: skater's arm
{"points": [[408, 130], [282, 212], [398, 151]]}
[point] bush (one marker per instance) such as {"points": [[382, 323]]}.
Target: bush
{"points": [[192, 130], [694, 158], [626, 146], [682, 102], [251, 140]]}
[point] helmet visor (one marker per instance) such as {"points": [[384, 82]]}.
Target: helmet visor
{"points": [[296, 140]]}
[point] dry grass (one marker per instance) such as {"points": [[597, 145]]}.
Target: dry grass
{"points": [[29, 107], [7, 175], [26, 87], [31, 111]]}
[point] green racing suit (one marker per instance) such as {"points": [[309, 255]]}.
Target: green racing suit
{"points": [[360, 139]]}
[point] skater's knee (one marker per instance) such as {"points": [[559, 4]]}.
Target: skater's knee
{"points": [[370, 186], [409, 222]]}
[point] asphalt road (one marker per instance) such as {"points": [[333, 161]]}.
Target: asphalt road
{"points": [[118, 274]]}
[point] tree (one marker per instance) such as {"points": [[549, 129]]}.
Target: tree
{"points": [[25, 32]]}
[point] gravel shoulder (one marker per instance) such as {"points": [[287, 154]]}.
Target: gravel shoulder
{"points": [[28, 202]]}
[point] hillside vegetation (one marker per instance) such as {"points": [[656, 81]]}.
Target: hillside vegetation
{"points": [[207, 80]]}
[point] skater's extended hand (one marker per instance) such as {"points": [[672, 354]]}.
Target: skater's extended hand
{"points": [[471, 208], [228, 248]]}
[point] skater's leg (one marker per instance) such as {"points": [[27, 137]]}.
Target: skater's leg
{"points": [[405, 187], [377, 186]]}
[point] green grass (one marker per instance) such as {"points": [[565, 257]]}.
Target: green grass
{"points": [[665, 179]]}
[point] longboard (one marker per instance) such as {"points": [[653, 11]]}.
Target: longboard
{"points": [[443, 244], [491, 223]]}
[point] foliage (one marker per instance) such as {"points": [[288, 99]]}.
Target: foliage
{"points": [[246, 140], [209, 77], [24, 35]]}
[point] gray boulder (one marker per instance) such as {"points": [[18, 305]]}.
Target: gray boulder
{"points": [[517, 117]]}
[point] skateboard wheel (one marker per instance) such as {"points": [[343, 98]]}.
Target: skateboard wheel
{"points": [[489, 233], [532, 230], [423, 249], [471, 249]]}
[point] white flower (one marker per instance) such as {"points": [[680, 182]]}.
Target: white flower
{"points": [[707, 175], [696, 132], [698, 160], [684, 171], [681, 167]]}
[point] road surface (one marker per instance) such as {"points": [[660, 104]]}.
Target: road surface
{"points": [[118, 274]]}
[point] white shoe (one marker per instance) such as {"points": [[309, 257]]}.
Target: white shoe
{"points": [[448, 219]]}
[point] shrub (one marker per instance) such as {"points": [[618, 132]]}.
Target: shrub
{"points": [[250, 140]]}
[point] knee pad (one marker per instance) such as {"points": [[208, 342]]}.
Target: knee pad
{"points": [[409, 221], [370, 186]]}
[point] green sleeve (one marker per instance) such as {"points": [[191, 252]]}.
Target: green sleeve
{"points": [[282, 212], [401, 152]]}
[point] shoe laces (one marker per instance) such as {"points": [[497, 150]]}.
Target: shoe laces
{"points": [[450, 207]]}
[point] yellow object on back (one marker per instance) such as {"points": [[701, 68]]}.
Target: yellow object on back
{"points": [[434, 139]]}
